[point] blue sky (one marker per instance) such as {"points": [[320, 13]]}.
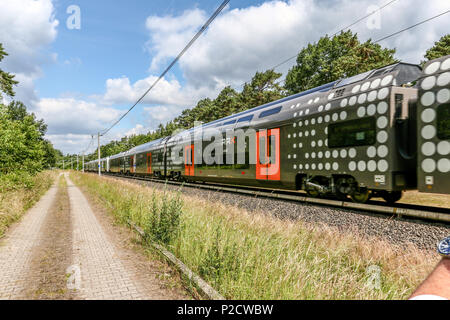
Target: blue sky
{"points": [[80, 81]]}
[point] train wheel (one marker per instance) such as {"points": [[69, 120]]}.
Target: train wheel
{"points": [[312, 192], [361, 196], [392, 197]]}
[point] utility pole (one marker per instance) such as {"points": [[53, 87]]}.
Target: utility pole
{"points": [[83, 162], [99, 164]]}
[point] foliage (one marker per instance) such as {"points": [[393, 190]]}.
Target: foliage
{"points": [[6, 79], [440, 48], [331, 59]]}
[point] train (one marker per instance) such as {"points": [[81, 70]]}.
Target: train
{"points": [[376, 134]]}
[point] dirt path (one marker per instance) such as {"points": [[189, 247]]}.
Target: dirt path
{"points": [[62, 250]]}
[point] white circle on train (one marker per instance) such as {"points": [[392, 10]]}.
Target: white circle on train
{"points": [[365, 86], [307, 112], [372, 152], [307, 166], [300, 167], [335, 154], [289, 136], [321, 108], [317, 100], [382, 107], [335, 117], [443, 96], [372, 96], [313, 144], [320, 166], [444, 165], [428, 83], [361, 112], [428, 115], [320, 155], [432, 68], [429, 149], [383, 166], [310, 101], [383, 93], [344, 103], [300, 135], [307, 155], [306, 133], [328, 107], [343, 154], [372, 166], [331, 96], [428, 99], [313, 155], [443, 79], [313, 166], [295, 156], [295, 146], [327, 118], [362, 98], [313, 121], [371, 110], [382, 122], [383, 151], [335, 166], [382, 137], [352, 166], [375, 83], [320, 143], [328, 166], [343, 115], [428, 165], [352, 153], [313, 132], [446, 64], [428, 132], [319, 120], [387, 80], [294, 125], [300, 124], [306, 122], [362, 166], [328, 154], [356, 88], [353, 100], [443, 148], [301, 113], [295, 167]]}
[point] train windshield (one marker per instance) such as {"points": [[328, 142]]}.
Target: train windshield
{"points": [[353, 133], [443, 122]]}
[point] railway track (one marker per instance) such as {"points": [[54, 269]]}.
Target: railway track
{"points": [[428, 213]]}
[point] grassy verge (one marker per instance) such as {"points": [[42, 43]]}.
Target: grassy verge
{"points": [[426, 199], [18, 193], [255, 256]]}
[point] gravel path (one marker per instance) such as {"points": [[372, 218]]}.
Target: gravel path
{"points": [[395, 230]]}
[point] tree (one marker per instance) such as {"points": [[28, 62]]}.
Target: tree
{"points": [[331, 59], [6, 79], [440, 48]]}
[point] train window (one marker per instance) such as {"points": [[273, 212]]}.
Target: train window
{"points": [[270, 112], [246, 119], [443, 121], [229, 123], [160, 157], [361, 132]]}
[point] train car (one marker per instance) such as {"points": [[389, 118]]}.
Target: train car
{"points": [[357, 137], [434, 127]]}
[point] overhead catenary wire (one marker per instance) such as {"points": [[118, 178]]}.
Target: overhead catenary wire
{"points": [[197, 35]]}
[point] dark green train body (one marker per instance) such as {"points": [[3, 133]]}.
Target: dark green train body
{"points": [[374, 134]]}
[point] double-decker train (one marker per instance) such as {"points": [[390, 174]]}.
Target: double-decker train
{"points": [[376, 134]]}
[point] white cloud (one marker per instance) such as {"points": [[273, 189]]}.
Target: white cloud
{"points": [[242, 41], [26, 28]]}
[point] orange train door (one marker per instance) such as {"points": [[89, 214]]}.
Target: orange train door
{"points": [[189, 161], [268, 165], [149, 163]]}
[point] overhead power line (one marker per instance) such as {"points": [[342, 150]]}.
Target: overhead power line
{"points": [[341, 30], [413, 26], [199, 33]]}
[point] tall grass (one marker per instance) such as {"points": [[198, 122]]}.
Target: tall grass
{"points": [[19, 191], [255, 256]]}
